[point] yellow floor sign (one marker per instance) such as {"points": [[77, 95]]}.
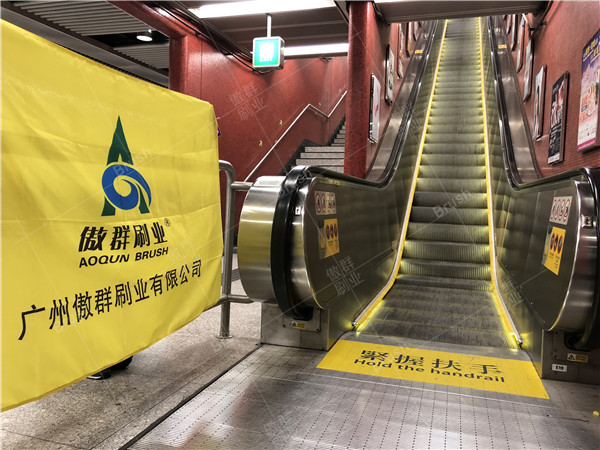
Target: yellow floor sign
{"points": [[430, 366]]}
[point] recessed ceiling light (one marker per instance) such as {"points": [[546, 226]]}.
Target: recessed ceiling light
{"points": [[257, 7], [145, 36]]}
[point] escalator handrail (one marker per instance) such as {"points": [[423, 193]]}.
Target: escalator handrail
{"points": [[590, 337], [283, 216]]}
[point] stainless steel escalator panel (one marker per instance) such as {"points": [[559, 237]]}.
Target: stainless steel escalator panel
{"points": [[366, 249], [254, 238], [538, 298]]}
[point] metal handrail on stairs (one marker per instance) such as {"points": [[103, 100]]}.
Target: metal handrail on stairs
{"points": [[307, 107]]}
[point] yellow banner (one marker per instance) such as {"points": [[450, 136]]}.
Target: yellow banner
{"points": [[509, 376], [111, 217]]}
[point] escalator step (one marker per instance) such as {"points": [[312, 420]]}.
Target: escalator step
{"points": [[452, 148], [435, 296], [448, 171], [443, 201], [451, 333], [447, 232], [445, 269], [443, 282], [466, 319], [447, 251], [451, 185], [460, 216], [468, 160], [446, 138], [451, 127]]}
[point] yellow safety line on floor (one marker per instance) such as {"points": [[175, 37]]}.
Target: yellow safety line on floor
{"points": [[375, 305], [505, 375], [507, 324]]}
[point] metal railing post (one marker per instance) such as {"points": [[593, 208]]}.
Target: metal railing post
{"points": [[226, 297], [227, 250]]}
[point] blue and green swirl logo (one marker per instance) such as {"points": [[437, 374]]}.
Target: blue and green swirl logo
{"points": [[120, 168]]}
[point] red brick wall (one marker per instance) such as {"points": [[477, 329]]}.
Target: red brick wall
{"points": [[558, 45]]}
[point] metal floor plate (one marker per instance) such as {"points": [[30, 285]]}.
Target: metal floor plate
{"points": [[277, 398]]}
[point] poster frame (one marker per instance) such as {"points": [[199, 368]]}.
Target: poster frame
{"points": [[538, 104], [558, 119], [520, 42], [389, 75], [375, 108], [588, 136], [401, 42], [528, 70], [513, 33]]}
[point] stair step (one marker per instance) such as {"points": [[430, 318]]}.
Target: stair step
{"points": [[319, 162], [328, 149], [324, 154], [339, 140]]}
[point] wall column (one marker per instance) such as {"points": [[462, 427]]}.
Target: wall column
{"points": [[185, 51], [359, 88]]}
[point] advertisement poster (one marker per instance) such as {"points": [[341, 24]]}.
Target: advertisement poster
{"points": [[375, 107], [587, 136], [410, 39], [528, 70], [538, 103], [401, 43], [558, 121], [520, 39], [513, 32], [389, 75]]}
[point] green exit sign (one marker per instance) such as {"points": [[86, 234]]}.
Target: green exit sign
{"points": [[268, 53]]}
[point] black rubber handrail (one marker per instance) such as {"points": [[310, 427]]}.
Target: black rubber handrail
{"points": [[589, 339]]}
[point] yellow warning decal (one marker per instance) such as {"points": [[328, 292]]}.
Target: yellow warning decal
{"points": [[508, 376], [501, 46], [329, 239], [555, 239]]}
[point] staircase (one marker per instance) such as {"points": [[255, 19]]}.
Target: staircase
{"points": [[330, 157], [443, 291]]}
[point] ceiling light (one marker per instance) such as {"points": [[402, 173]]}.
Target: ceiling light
{"points": [[145, 36], [317, 50], [257, 7]]}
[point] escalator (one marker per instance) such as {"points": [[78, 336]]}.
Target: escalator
{"points": [[446, 238], [443, 291]]}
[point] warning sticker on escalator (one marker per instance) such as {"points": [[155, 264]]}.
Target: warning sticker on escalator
{"points": [[329, 240], [508, 376], [553, 248]]}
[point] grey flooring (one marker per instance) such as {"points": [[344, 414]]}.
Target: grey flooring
{"points": [[278, 399]]}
